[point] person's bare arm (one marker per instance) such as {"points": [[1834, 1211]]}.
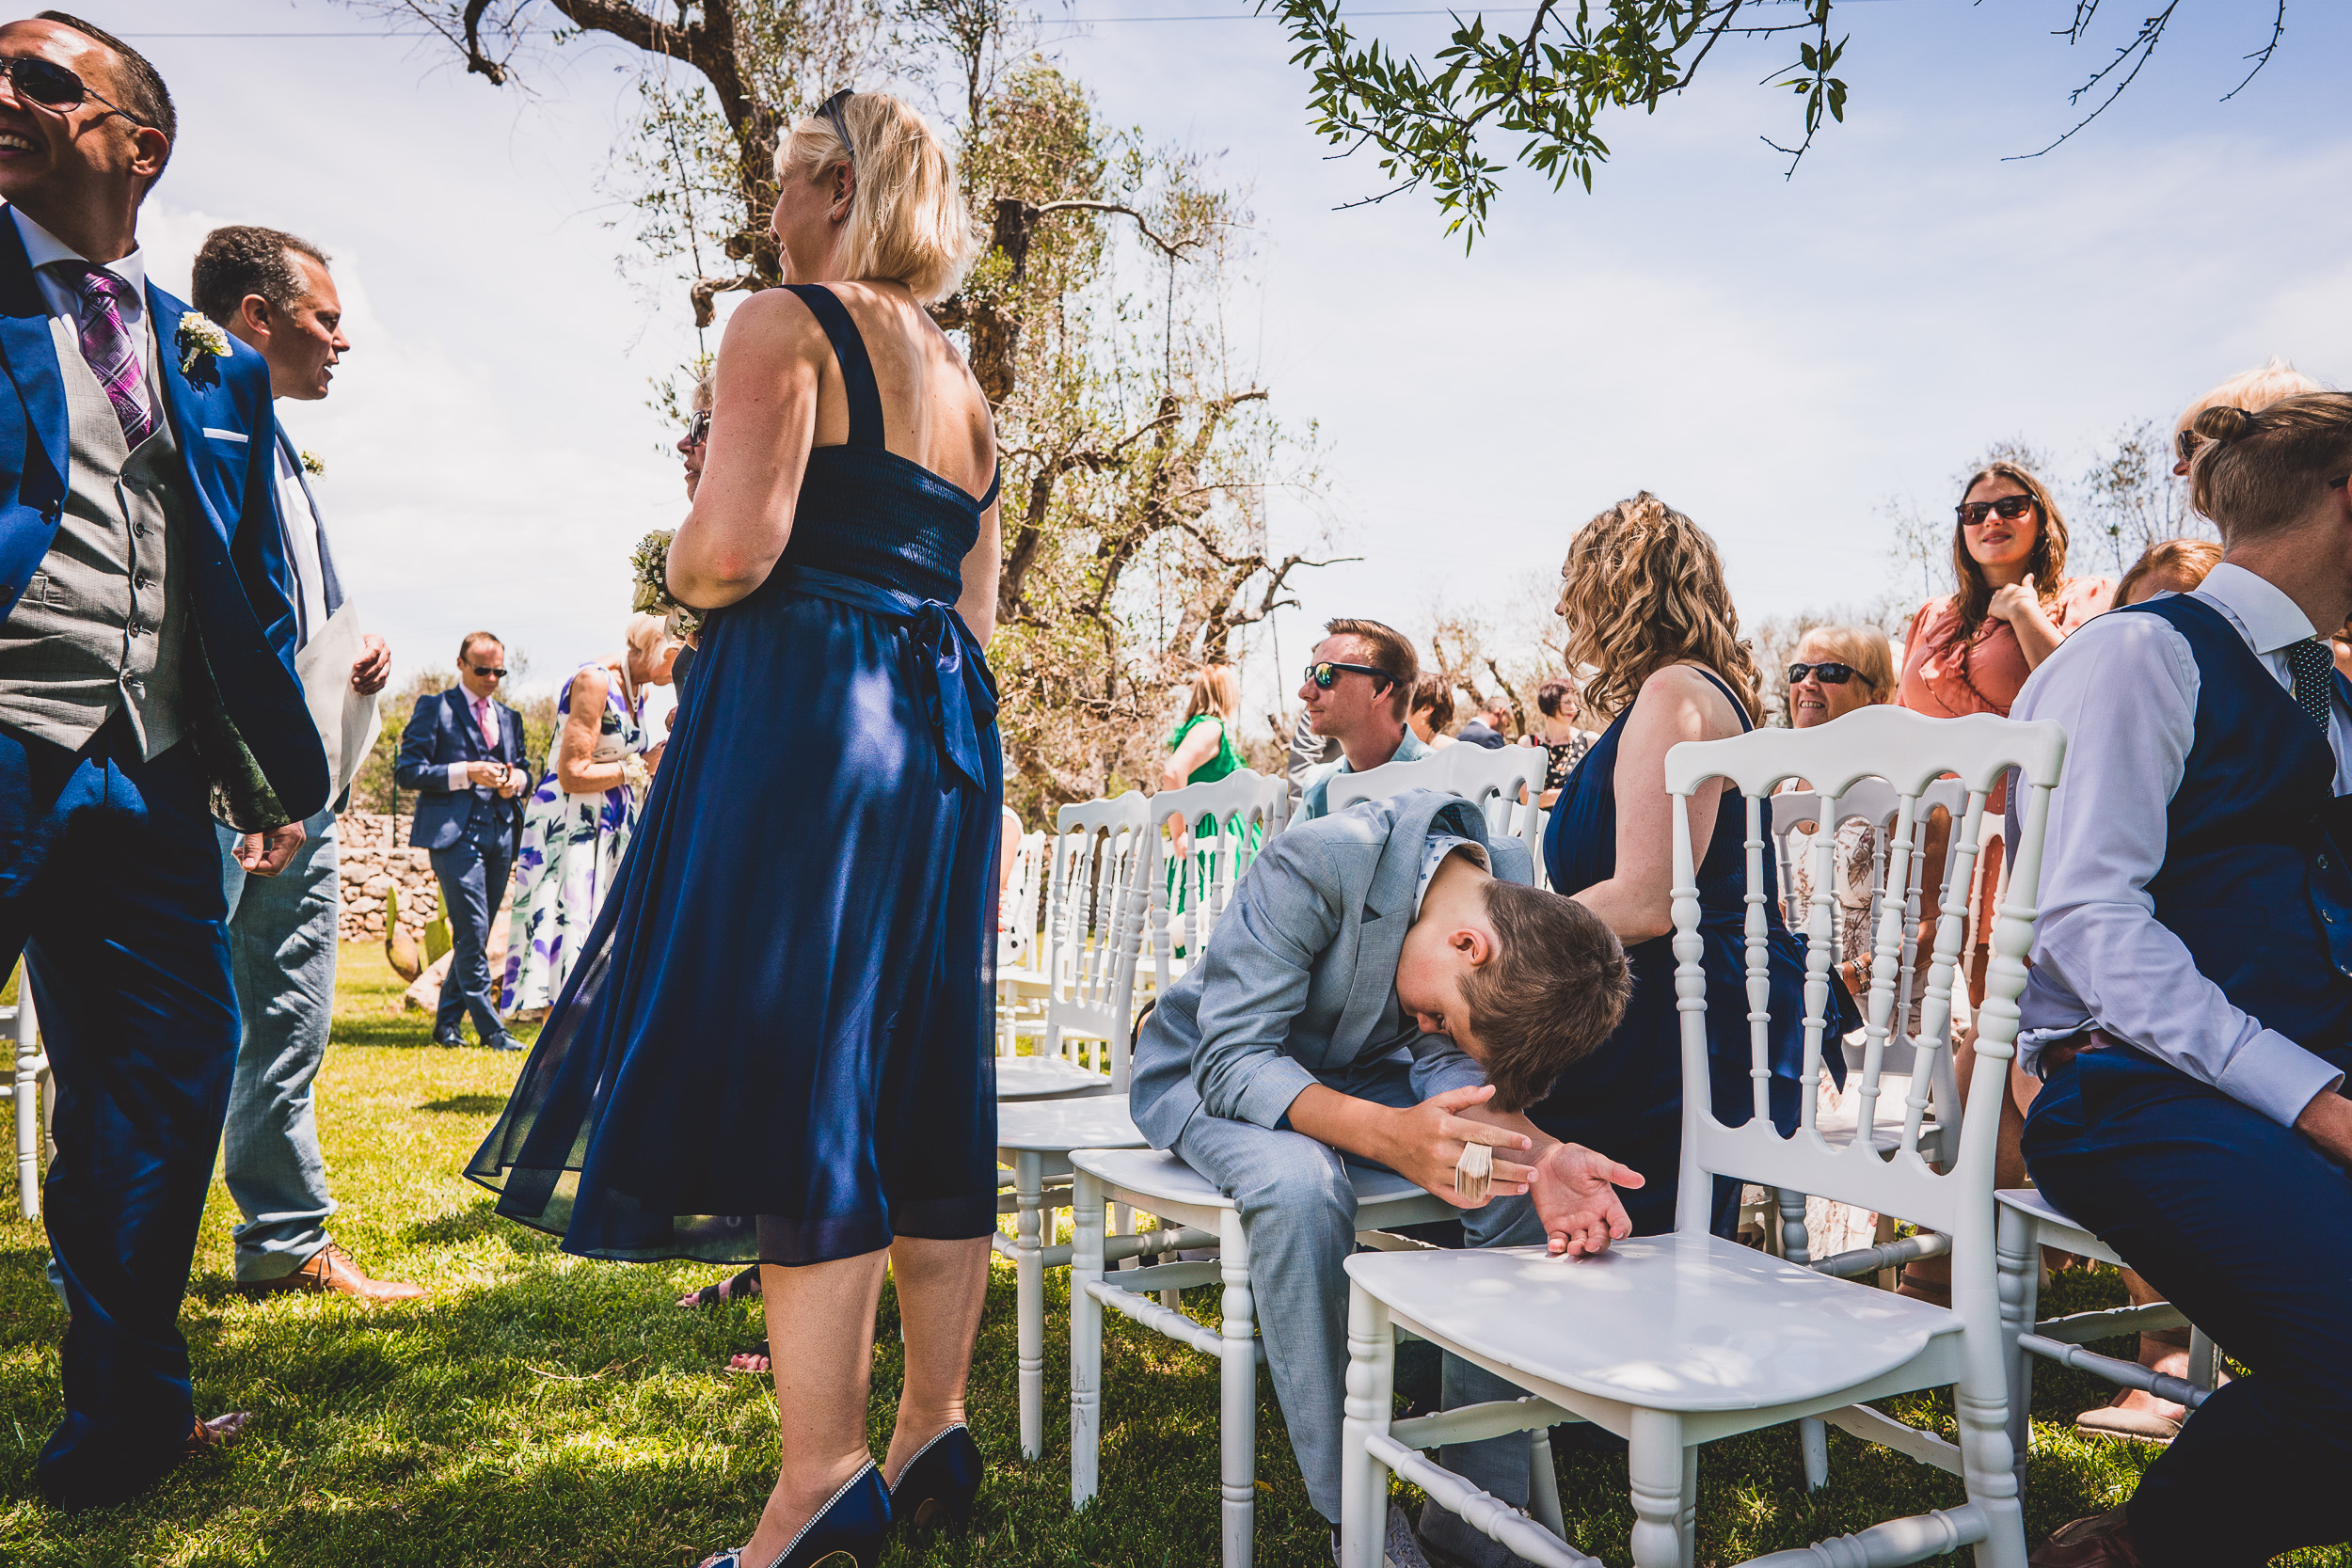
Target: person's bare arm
{"points": [[764, 419], [1199, 747], [2019, 605], [574, 773], [977, 603], [1678, 703], [1422, 1143], [2328, 1122]]}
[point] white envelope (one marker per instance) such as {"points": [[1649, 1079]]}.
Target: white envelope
{"points": [[348, 723]]}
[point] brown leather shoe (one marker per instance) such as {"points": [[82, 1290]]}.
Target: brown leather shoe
{"points": [[2104, 1541], [330, 1268]]}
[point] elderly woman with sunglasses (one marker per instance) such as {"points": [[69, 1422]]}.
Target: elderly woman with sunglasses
{"points": [[1837, 669]]}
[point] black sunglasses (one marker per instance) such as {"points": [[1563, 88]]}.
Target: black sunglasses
{"points": [[53, 86], [1828, 674], [1972, 514], [698, 428], [2184, 444], [489, 671], [831, 109], [1327, 674]]}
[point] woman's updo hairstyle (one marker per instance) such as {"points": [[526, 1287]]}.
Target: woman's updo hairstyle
{"points": [[2258, 472], [907, 221]]}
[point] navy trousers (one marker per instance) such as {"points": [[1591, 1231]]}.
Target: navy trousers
{"points": [[2246, 1228], [110, 887], [472, 873]]}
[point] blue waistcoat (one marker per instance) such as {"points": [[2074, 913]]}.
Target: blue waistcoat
{"points": [[2253, 880]]}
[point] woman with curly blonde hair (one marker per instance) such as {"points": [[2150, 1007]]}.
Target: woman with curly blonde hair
{"points": [[1643, 594]]}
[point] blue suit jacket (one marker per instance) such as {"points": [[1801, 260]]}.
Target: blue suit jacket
{"points": [[441, 731], [1297, 985], [246, 710]]}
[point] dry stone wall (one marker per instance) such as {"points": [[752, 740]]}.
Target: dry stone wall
{"points": [[374, 853]]}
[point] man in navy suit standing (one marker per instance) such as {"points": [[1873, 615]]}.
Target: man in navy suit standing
{"points": [[146, 674], [463, 755]]}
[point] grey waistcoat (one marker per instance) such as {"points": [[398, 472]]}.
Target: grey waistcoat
{"points": [[103, 623]]}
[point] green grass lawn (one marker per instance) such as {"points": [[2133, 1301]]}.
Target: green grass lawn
{"points": [[539, 1409]]}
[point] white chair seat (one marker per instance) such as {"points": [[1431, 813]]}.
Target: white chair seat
{"points": [[1058, 1126], [1149, 1174], [1046, 1078], [1678, 1323], [2056, 1229]]}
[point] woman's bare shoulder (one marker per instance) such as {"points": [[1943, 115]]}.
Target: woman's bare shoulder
{"points": [[1674, 691]]}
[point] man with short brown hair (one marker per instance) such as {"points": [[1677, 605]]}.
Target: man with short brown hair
{"points": [[1384, 989], [1358, 691]]}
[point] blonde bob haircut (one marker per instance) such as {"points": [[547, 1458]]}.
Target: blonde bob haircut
{"points": [[647, 633], [1862, 649], [1215, 690], [1644, 588], [907, 221]]}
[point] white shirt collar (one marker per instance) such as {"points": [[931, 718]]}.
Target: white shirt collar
{"points": [[2267, 617], [41, 248]]}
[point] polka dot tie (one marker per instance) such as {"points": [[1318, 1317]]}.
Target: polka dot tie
{"points": [[2313, 665]]}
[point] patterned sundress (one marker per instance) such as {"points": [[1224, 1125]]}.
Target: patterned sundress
{"points": [[572, 849]]}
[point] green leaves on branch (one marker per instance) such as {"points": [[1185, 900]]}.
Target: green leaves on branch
{"points": [[1548, 86]]}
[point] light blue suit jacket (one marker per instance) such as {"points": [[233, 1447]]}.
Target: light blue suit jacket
{"points": [[1297, 985]]}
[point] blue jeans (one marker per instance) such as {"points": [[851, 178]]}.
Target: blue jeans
{"points": [[472, 873], [110, 886], [281, 954], [2246, 1228]]}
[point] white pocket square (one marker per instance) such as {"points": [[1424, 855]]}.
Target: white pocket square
{"points": [[237, 435]]}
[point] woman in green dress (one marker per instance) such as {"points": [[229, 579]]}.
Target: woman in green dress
{"points": [[1203, 747]]}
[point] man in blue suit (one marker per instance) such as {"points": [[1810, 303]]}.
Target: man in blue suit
{"points": [[146, 674], [463, 755]]}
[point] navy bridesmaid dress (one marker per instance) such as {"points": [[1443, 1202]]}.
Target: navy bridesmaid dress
{"points": [[776, 1044], [1626, 1099]]}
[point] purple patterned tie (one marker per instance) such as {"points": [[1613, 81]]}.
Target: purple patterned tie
{"points": [[106, 344]]}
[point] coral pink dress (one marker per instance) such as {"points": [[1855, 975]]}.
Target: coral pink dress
{"points": [[1944, 679]]}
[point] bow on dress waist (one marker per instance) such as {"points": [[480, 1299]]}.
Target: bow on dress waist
{"points": [[959, 692]]}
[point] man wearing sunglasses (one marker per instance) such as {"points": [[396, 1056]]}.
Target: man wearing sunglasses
{"points": [[1357, 690], [147, 637], [463, 755]]}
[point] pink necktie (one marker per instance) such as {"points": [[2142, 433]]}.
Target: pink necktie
{"points": [[482, 720], [106, 344]]}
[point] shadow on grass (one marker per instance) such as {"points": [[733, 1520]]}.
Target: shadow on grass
{"points": [[477, 1222], [468, 1104]]}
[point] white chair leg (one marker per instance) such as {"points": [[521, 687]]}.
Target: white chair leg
{"points": [[28, 1097], [1371, 1400], [1796, 1245], [1028, 1293], [2203, 1363], [1543, 1483], [1656, 1467], [1086, 1339], [1238, 1422], [1688, 1524], [2018, 1277], [1989, 1466]]}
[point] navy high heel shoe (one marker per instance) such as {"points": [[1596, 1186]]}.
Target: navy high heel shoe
{"points": [[939, 1483], [849, 1529]]}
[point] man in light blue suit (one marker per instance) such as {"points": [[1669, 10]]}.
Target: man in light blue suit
{"points": [[145, 675], [463, 755], [1385, 988]]}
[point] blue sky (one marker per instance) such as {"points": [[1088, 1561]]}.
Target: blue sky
{"points": [[1774, 357]]}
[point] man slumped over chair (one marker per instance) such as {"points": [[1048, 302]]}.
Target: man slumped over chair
{"points": [[1385, 988]]}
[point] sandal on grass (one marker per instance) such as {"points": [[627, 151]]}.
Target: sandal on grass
{"points": [[758, 1351], [742, 1287], [2120, 1420]]}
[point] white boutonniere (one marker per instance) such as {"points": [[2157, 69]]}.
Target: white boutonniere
{"points": [[200, 339], [311, 466]]}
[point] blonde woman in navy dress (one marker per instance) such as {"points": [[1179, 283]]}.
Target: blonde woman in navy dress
{"points": [[776, 1048]]}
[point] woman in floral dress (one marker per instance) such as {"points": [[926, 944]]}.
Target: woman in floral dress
{"points": [[577, 824]]}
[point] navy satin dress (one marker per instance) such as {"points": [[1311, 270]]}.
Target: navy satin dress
{"points": [[1626, 1099], [776, 1046]]}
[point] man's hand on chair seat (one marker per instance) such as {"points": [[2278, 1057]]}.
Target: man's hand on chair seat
{"points": [[1576, 1198]]}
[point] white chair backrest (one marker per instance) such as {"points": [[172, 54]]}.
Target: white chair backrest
{"points": [[1909, 753], [1204, 836], [1502, 781], [1102, 856], [1024, 905], [1802, 821]]}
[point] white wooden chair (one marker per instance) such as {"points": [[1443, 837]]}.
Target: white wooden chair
{"points": [[1162, 1184], [1021, 983], [29, 1092], [1035, 1138], [1504, 781], [2028, 1223], [1095, 921], [1678, 1340]]}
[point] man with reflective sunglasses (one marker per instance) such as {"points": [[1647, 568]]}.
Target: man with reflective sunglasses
{"points": [[463, 754], [1358, 690], [146, 681]]}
